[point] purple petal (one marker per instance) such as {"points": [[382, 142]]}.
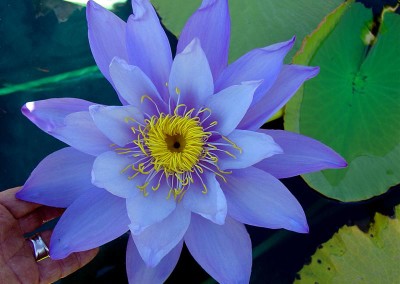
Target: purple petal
{"points": [[65, 120], [191, 81], [211, 25], [158, 240], [258, 64], [229, 106], [50, 114], [106, 36], [144, 211], [59, 179], [139, 272], [109, 172], [257, 198], [95, 218], [80, 132], [289, 81], [147, 44], [300, 155], [115, 122], [135, 87], [253, 149], [209, 203], [224, 251]]}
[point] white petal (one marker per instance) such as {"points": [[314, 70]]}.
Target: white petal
{"points": [[210, 204], [144, 211], [254, 148], [158, 240]]}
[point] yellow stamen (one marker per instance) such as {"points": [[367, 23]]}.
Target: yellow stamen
{"points": [[175, 142], [234, 145], [174, 147]]}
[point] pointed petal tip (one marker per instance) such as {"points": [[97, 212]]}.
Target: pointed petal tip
{"points": [[55, 256], [150, 256], [255, 83], [206, 3], [118, 63], [309, 71], [57, 252], [91, 7], [284, 46], [139, 272], [94, 108], [192, 46], [93, 4], [27, 108], [220, 217], [137, 11], [220, 221], [341, 162], [153, 261], [335, 160], [94, 180], [213, 17], [135, 229], [277, 149], [27, 195], [314, 71], [118, 60], [299, 227], [290, 42], [140, 9], [21, 194]]}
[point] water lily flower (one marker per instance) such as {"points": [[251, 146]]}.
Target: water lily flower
{"points": [[183, 159]]}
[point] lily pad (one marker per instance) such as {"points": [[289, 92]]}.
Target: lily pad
{"points": [[255, 23], [352, 256], [353, 104]]}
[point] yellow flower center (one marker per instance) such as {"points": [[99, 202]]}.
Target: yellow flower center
{"points": [[174, 148], [175, 142]]}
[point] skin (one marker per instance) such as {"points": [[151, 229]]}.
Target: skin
{"points": [[17, 263]]}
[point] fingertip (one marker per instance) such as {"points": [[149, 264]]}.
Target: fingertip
{"points": [[87, 256]]}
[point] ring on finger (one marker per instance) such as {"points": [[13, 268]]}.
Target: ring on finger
{"points": [[40, 249]]}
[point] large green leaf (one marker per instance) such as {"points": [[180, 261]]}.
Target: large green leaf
{"points": [[353, 104], [352, 256], [255, 23]]}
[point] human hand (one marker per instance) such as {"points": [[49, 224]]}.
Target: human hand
{"points": [[17, 263]]}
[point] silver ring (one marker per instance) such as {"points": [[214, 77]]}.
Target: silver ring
{"points": [[40, 250]]}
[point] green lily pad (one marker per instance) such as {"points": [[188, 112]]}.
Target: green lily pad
{"points": [[255, 23], [353, 104], [352, 256]]}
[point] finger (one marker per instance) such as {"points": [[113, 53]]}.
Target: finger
{"points": [[38, 217], [52, 270], [17, 208], [56, 269]]}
